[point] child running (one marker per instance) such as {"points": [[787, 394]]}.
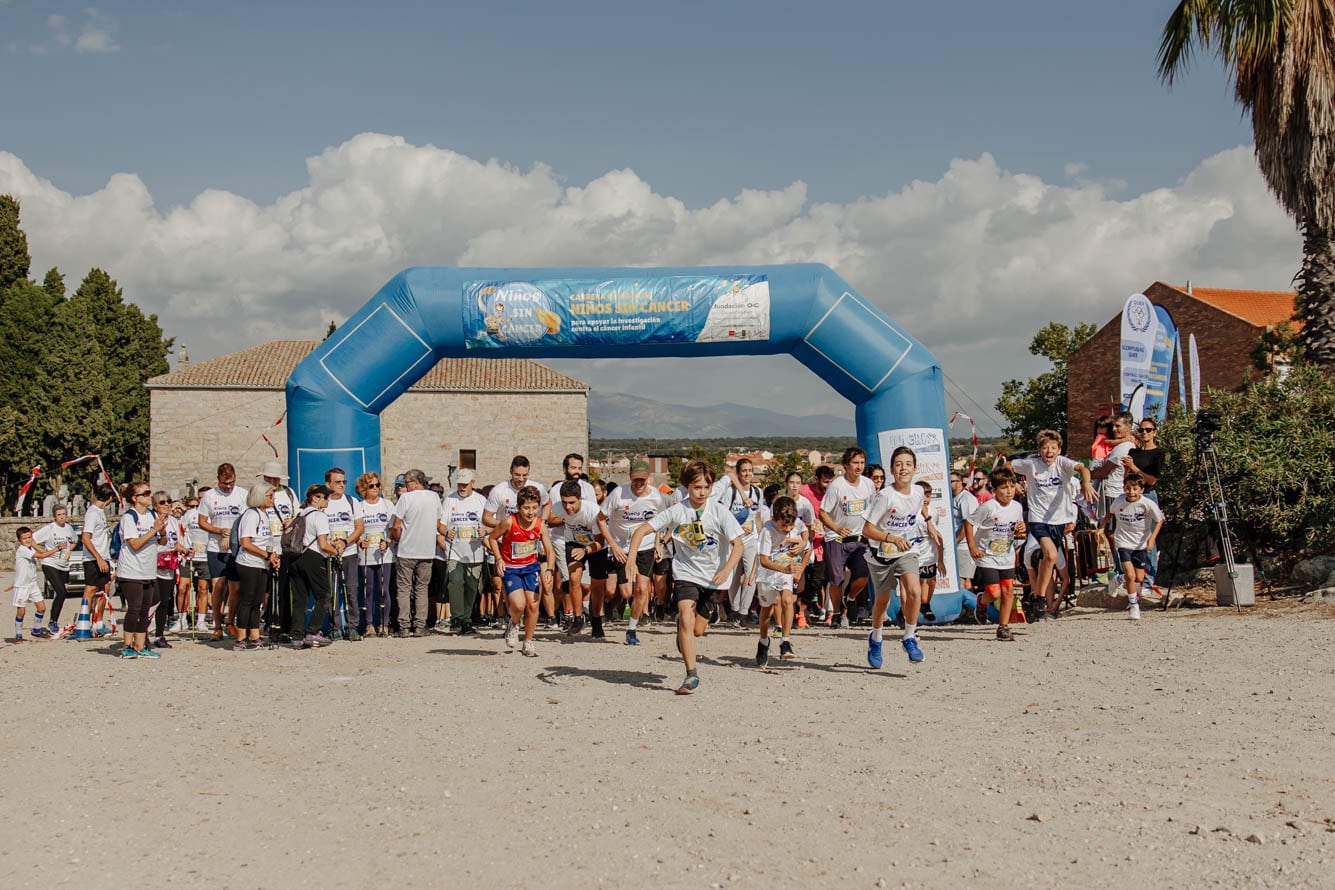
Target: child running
{"points": [[701, 569], [1132, 525], [990, 533], [27, 589], [890, 521], [785, 547], [515, 542], [927, 544]]}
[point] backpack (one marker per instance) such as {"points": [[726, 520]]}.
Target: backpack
{"points": [[234, 536], [294, 536], [114, 547]]}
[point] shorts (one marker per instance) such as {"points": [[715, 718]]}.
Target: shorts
{"points": [[221, 565], [1040, 530], [522, 577], [927, 572], [662, 567], [605, 567], [559, 548], [25, 595], [1139, 559], [884, 575], [95, 577], [199, 569], [984, 576], [689, 591], [845, 558], [770, 593], [964, 563]]}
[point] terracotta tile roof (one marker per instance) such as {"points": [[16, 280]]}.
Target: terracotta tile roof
{"points": [[268, 365], [1263, 308]]}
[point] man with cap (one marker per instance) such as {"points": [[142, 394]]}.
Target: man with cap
{"points": [[626, 510], [572, 470], [418, 530], [461, 518], [280, 516]]}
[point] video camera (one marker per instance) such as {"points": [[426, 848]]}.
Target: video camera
{"points": [[1207, 424]]}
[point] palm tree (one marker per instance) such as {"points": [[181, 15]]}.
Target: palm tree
{"points": [[1281, 57]]}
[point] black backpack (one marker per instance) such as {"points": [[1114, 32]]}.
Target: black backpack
{"points": [[294, 536]]}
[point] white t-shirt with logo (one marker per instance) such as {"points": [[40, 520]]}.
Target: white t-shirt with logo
{"points": [[847, 504], [140, 565], [197, 537], [57, 537], [1045, 488], [749, 518], [254, 525], [1112, 483], [25, 574], [1135, 521], [586, 493], [221, 510], [994, 533], [625, 512], [343, 514], [701, 540], [316, 524], [376, 520], [420, 512], [579, 528], [464, 515], [893, 513], [99, 533], [175, 533], [503, 500], [775, 545]]}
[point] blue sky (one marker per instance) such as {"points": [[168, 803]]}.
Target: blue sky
{"points": [[856, 102]]}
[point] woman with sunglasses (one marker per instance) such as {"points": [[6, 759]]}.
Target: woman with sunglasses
{"points": [[170, 549], [142, 530], [377, 558]]}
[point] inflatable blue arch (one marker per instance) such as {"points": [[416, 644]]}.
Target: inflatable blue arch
{"points": [[335, 396]]}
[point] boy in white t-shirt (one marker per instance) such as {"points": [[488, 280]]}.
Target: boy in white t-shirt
{"points": [[991, 532], [1132, 526], [784, 549], [27, 588]]}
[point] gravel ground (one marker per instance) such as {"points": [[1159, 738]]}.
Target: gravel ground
{"points": [[1194, 748]]}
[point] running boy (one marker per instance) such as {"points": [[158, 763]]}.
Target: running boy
{"points": [[888, 525], [1132, 525], [1050, 505], [515, 542], [990, 533], [785, 547], [927, 544], [700, 568], [27, 588], [584, 530]]}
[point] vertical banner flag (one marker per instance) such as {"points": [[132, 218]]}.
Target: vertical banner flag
{"points": [[933, 457], [1195, 375], [1161, 365], [1181, 372], [1139, 324]]}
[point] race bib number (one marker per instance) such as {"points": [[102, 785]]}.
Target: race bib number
{"points": [[198, 550], [523, 549], [64, 556], [887, 550], [275, 526], [749, 526], [999, 547], [856, 507], [465, 532], [583, 538], [373, 540], [339, 536]]}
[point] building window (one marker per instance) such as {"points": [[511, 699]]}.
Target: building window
{"points": [[467, 459]]}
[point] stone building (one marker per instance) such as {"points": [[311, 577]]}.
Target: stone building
{"points": [[1227, 324], [466, 412]]}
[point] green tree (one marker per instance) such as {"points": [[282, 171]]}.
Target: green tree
{"points": [[786, 463], [54, 284], [1039, 403], [716, 459], [14, 258], [1280, 55]]}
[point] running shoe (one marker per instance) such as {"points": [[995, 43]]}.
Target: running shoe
{"points": [[318, 640], [1135, 611], [913, 649], [54, 629], [512, 635], [529, 650], [980, 611], [632, 638], [353, 636], [1004, 634], [148, 653], [597, 628], [843, 622], [874, 659], [467, 630], [161, 643], [41, 632], [127, 652], [576, 625], [762, 653], [786, 650], [928, 617], [689, 685]]}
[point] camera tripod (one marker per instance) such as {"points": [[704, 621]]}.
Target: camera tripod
{"points": [[1207, 467]]}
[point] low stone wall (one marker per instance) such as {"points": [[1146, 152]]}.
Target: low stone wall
{"points": [[8, 526]]}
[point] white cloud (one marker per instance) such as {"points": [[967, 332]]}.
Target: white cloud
{"points": [[94, 33], [972, 263]]}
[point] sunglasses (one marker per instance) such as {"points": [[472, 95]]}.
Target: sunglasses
{"points": [[142, 494], [162, 503], [1149, 429], [373, 485]]}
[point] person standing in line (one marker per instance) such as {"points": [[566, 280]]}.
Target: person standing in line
{"points": [[346, 527], [170, 549], [310, 571], [199, 565], [462, 521], [572, 470], [96, 541], [377, 556], [219, 509], [417, 529], [58, 536], [745, 501], [841, 512], [256, 556], [142, 532], [284, 510], [707, 545]]}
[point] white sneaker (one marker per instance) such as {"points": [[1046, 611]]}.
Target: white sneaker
{"points": [[512, 635], [199, 625], [1135, 611], [529, 650]]}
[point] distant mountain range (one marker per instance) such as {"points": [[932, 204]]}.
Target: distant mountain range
{"points": [[615, 415]]}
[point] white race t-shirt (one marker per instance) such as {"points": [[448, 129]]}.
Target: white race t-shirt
{"points": [[25, 570], [805, 512], [1045, 488], [56, 537], [175, 534], [775, 545], [994, 533], [198, 539], [579, 528], [343, 514], [847, 504], [701, 540], [99, 533], [963, 506], [141, 565], [1135, 521], [503, 498], [923, 545], [420, 512], [1112, 483], [316, 524], [464, 515], [376, 520], [625, 512], [221, 510], [254, 525], [749, 518], [892, 513], [586, 493]]}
